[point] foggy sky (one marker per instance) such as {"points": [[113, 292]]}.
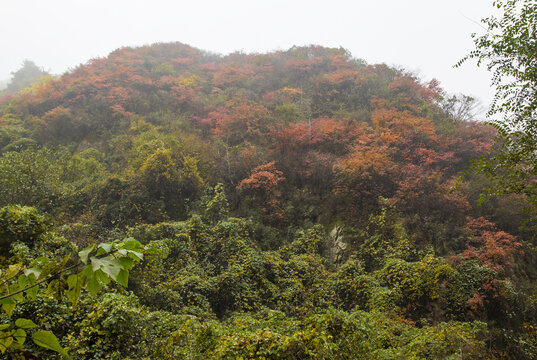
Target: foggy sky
{"points": [[424, 36]]}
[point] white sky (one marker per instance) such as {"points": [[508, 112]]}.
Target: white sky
{"points": [[424, 36]]}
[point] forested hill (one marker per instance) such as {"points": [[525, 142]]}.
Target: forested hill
{"points": [[303, 204]]}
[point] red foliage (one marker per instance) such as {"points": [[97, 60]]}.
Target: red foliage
{"points": [[300, 137], [238, 121], [490, 246], [263, 178], [232, 76], [422, 191]]}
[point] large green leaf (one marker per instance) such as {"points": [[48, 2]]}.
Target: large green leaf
{"points": [[5, 341], [110, 267], [13, 270], [8, 308], [23, 281], [25, 323], [32, 292], [132, 244], [47, 270], [105, 248], [20, 336], [93, 285], [48, 340], [14, 288], [74, 283], [83, 254], [8, 300], [135, 255], [123, 278], [126, 262]]}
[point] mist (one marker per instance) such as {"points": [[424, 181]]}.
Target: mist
{"points": [[424, 37]]}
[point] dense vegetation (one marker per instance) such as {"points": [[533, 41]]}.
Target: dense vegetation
{"points": [[300, 204]]}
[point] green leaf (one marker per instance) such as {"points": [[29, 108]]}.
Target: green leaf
{"points": [[102, 277], [8, 300], [32, 292], [48, 340], [4, 326], [123, 278], [132, 244], [110, 267], [64, 261], [13, 270], [53, 266], [5, 341], [93, 285], [23, 281], [83, 254], [25, 323], [126, 262], [87, 272], [14, 288], [32, 271], [47, 270], [107, 247], [8, 308], [136, 255], [55, 288], [74, 283], [40, 261], [20, 336]]}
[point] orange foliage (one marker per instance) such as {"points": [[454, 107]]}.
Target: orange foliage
{"points": [[264, 178], [399, 128], [490, 246], [232, 76], [237, 121]]}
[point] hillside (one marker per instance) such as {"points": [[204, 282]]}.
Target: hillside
{"points": [[299, 204]]}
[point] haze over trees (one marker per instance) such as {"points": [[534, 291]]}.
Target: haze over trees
{"points": [[171, 203], [24, 77]]}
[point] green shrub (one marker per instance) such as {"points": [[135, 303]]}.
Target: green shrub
{"points": [[21, 223]]}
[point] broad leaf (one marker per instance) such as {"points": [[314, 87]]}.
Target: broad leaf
{"points": [[110, 267], [106, 247], [48, 340], [5, 341], [83, 254], [123, 278], [23, 281], [131, 244], [93, 285], [8, 308], [13, 270], [74, 283], [25, 323], [20, 336]]}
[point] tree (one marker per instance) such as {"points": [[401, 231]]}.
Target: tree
{"points": [[509, 49], [25, 76], [30, 177]]}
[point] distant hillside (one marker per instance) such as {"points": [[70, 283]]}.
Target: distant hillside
{"points": [[302, 204], [348, 132]]}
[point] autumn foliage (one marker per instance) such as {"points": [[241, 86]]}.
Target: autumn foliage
{"points": [[295, 197]]}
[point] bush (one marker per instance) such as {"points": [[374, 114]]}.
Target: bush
{"points": [[21, 223]]}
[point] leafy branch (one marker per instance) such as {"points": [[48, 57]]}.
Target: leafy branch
{"points": [[102, 263]]}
